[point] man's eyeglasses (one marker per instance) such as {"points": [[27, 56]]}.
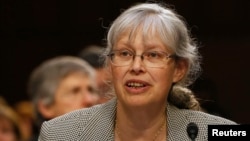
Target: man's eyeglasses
{"points": [[154, 59]]}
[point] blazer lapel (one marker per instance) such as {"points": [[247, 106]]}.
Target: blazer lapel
{"points": [[177, 124], [100, 125]]}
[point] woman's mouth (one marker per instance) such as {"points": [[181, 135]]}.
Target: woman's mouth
{"points": [[136, 87], [135, 84]]}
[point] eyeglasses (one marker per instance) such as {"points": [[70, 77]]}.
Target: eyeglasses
{"points": [[154, 59]]}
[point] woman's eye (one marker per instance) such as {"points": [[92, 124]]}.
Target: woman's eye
{"points": [[76, 90], [91, 89], [125, 53], [153, 54]]}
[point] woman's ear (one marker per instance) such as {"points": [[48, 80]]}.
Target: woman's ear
{"points": [[180, 69], [45, 110]]}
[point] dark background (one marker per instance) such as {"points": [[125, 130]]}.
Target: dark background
{"points": [[32, 31]]}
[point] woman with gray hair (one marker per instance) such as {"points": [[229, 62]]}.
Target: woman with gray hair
{"points": [[152, 60], [61, 85]]}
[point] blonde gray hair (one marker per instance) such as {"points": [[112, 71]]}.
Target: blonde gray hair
{"points": [[151, 19]]}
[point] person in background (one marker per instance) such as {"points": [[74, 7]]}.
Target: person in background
{"points": [[93, 55], [152, 59], [25, 111], [9, 123], [2, 100], [61, 85]]}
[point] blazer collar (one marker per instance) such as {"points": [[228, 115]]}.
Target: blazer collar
{"points": [[100, 125], [177, 124]]}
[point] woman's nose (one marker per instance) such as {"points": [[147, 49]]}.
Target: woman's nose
{"points": [[137, 64]]}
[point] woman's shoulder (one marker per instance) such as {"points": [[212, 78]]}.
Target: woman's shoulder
{"points": [[207, 117], [200, 116], [67, 126], [180, 119], [73, 124], [70, 120], [84, 113]]}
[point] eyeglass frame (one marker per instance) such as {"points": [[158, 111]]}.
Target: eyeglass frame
{"points": [[142, 56]]}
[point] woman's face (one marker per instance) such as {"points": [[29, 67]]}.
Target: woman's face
{"points": [[139, 85], [75, 91], [7, 132]]}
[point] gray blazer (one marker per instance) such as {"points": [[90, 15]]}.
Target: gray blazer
{"points": [[97, 124]]}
